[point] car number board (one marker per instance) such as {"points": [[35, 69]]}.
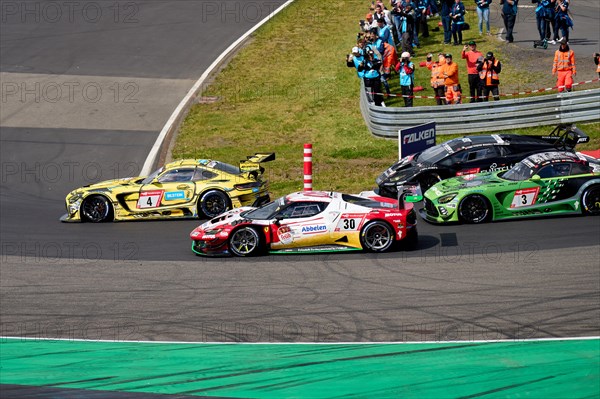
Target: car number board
{"points": [[150, 199], [525, 197]]}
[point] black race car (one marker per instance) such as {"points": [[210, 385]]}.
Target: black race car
{"points": [[471, 155]]}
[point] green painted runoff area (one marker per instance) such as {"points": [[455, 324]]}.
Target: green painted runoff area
{"points": [[516, 369]]}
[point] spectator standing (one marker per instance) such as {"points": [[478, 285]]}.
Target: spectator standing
{"points": [[489, 69], [406, 70], [597, 62], [471, 54], [564, 66], [372, 78], [446, 20], [563, 21], [457, 15], [551, 14], [424, 9], [390, 60], [355, 60], [450, 73], [483, 14], [542, 19], [384, 32], [437, 79], [509, 16], [369, 23]]}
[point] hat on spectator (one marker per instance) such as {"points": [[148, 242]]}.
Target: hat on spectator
{"points": [[472, 43], [448, 55], [489, 55], [405, 54], [563, 40], [369, 16], [355, 50]]}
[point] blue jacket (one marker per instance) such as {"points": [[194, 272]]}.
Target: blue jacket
{"points": [[357, 61], [483, 4], [385, 34], [407, 79], [459, 11], [507, 9]]}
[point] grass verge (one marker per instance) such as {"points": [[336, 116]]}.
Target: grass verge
{"points": [[291, 86]]}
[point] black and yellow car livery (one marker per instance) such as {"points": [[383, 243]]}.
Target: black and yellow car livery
{"points": [[187, 188]]}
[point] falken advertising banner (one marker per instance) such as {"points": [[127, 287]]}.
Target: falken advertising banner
{"points": [[415, 139]]}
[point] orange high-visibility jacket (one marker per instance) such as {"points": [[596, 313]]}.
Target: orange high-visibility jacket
{"points": [[451, 71], [436, 78], [489, 73], [564, 61]]}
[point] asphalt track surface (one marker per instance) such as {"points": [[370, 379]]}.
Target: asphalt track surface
{"points": [[134, 281]]}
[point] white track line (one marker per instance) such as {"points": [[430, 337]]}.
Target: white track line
{"points": [[304, 343], [148, 164]]}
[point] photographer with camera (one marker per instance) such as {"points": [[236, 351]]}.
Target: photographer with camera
{"points": [[406, 70], [489, 69], [371, 66], [471, 54]]}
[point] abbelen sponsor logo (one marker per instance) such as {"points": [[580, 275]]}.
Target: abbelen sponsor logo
{"points": [[314, 229], [414, 137]]}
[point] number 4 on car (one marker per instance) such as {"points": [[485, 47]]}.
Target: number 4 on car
{"points": [[189, 188]]}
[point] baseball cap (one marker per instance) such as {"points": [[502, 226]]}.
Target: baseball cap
{"points": [[448, 55], [489, 55], [472, 43], [355, 50], [405, 54]]}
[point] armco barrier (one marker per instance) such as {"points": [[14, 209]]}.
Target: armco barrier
{"points": [[576, 106]]}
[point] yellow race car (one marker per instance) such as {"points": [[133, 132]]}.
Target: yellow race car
{"points": [[188, 188]]}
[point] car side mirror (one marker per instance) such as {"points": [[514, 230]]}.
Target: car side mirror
{"points": [[536, 178]]}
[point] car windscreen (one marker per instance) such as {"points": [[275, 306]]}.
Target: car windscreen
{"points": [[267, 211], [520, 172], [438, 152], [366, 202], [149, 179]]}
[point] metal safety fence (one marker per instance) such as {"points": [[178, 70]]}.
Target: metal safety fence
{"points": [[566, 107]]}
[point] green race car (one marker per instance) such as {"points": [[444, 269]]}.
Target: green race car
{"points": [[548, 183]]}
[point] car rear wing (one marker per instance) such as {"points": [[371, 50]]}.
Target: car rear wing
{"points": [[566, 136], [252, 163]]}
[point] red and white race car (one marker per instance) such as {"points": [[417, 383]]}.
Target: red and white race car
{"points": [[313, 221]]}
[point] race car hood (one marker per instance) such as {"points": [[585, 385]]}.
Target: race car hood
{"points": [[107, 184], [402, 171], [222, 222], [465, 182]]}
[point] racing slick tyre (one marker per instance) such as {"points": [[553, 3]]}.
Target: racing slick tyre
{"points": [[474, 209], [245, 241], [97, 209], [377, 236], [429, 180], [213, 203], [590, 200]]}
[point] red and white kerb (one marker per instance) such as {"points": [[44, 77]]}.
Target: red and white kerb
{"points": [[307, 167]]}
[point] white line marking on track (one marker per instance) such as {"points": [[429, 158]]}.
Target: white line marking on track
{"points": [[146, 169], [306, 343]]}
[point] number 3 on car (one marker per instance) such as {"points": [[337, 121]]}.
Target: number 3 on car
{"points": [[525, 197]]}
